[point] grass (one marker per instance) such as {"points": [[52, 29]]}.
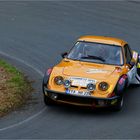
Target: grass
{"points": [[15, 89]]}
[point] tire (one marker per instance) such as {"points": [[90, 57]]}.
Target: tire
{"points": [[48, 101], [119, 104], [138, 71], [137, 77]]}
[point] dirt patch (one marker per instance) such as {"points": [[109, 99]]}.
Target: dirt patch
{"points": [[15, 89]]}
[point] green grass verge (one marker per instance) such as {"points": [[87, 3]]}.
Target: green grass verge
{"points": [[15, 89]]}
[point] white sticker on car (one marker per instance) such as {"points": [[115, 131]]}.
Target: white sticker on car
{"points": [[77, 81]]}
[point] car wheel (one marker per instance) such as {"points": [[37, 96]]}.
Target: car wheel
{"points": [[119, 104], [138, 71], [138, 76], [47, 100]]}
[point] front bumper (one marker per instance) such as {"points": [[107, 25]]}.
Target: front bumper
{"points": [[80, 100]]}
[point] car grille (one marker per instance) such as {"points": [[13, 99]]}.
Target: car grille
{"points": [[74, 99]]}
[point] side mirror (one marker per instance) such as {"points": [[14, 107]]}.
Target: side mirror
{"points": [[64, 54]]}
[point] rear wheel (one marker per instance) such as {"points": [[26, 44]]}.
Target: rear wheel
{"points": [[138, 75], [138, 71], [138, 66]]}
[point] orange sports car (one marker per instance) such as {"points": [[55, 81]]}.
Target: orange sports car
{"points": [[93, 73]]}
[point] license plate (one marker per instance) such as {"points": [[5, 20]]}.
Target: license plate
{"points": [[76, 92]]}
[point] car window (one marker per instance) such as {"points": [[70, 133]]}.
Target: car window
{"points": [[128, 54], [96, 52]]}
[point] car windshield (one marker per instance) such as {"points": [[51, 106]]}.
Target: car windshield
{"points": [[96, 53]]}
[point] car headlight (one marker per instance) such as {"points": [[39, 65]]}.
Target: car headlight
{"points": [[103, 86], [59, 80], [67, 83], [91, 87]]}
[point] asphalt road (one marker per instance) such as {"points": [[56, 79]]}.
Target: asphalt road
{"points": [[32, 36]]}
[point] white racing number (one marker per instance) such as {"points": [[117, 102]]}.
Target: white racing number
{"points": [[82, 82]]}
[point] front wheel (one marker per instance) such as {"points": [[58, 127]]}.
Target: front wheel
{"points": [[47, 100], [119, 104]]}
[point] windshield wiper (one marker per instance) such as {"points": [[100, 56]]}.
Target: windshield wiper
{"points": [[93, 57]]}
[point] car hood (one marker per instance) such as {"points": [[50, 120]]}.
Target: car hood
{"points": [[88, 70]]}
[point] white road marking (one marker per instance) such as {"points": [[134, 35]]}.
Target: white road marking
{"points": [[24, 121], [22, 61], [39, 72]]}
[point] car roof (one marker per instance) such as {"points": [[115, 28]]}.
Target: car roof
{"points": [[103, 39]]}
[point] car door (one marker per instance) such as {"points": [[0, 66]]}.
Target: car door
{"points": [[133, 69]]}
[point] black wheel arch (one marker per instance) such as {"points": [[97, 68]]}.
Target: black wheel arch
{"points": [[121, 85], [45, 81]]}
